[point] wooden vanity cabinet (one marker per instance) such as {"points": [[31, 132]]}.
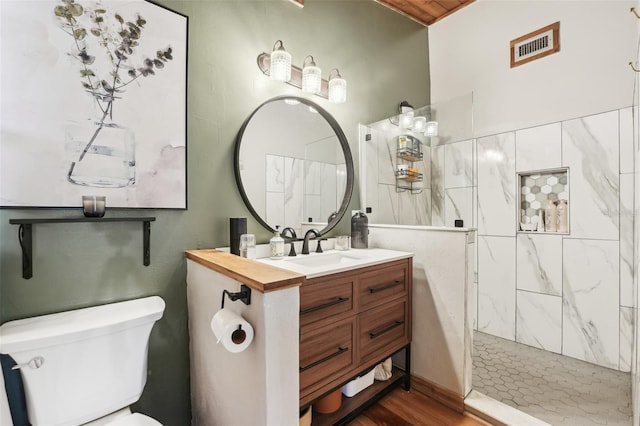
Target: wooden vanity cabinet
{"points": [[351, 321]]}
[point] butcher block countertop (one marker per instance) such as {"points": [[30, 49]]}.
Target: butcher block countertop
{"points": [[258, 276]]}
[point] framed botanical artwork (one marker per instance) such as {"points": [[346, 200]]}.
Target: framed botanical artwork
{"points": [[93, 102]]}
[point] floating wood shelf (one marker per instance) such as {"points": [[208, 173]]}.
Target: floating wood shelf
{"points": [[25, 235]]}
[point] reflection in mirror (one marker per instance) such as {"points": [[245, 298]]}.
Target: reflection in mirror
{"points": [[444, 191], [293, 166]]}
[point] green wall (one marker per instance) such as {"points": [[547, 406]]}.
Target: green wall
{"points": [[382, 55]]}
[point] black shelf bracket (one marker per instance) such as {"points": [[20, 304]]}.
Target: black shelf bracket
{"points": [[25, 236]]}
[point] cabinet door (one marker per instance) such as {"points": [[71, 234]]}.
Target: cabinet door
{"points": [[326, 353], [383, 330], [326, 300], [382, 285]]}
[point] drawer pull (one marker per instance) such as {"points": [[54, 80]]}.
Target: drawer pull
{"points": [[384, 287], [340, 350], [385, 329], [324, 305]]}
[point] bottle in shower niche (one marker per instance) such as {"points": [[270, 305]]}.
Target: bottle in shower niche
{"points": [[563, 219], [550, 217], [276, 243], [540, 221]]}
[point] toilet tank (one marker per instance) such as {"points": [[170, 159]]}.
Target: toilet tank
{"points": [[94, 360]]}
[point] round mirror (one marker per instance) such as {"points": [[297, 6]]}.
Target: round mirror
{"points": [[293, 166]]}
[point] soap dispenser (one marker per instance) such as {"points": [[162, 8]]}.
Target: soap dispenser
{"points": [[276, 243], [359, 230]]}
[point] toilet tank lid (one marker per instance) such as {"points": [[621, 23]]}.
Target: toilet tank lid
{"points": [[69, 326]]}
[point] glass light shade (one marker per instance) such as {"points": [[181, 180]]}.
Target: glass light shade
{"points": [[280, 65], [431, 129], [311, 79], [419, 124], [338, 90], [405, 120]]}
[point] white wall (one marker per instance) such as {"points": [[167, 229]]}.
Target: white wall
{"points": [[469, 52]]}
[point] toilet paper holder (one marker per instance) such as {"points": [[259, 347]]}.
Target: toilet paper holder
{"points": [[244, 295]]}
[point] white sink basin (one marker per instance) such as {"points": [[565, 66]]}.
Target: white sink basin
{"points": [[324, 259], [333, 261]]}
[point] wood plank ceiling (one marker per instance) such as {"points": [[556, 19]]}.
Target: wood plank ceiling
{"points": [[426, 12]]}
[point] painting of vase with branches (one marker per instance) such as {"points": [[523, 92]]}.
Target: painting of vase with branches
{"points": [[110, 109], [106, 151]]}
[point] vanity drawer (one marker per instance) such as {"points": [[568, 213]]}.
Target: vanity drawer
{"points": [[381, 285], [383, 330], [326, 353], [326, 300]]}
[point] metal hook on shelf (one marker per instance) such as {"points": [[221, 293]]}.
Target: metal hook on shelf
{"points": [[634, 68], [633, 10], [243, 295]]}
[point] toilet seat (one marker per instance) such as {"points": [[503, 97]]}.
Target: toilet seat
{"points": [[135, 419]]}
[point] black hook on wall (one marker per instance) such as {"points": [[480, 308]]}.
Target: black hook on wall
{"points": [[244, 295]]}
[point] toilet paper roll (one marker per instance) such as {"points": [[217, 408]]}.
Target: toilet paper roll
{"points": [[231, 330]]}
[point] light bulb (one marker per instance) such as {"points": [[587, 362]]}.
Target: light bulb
{"points": [[419, 124], [280, 63], [431, 129], [337, 88], [311, 76]]}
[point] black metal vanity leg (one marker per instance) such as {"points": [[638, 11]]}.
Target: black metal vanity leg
{"points": [[146, 249], [407, 366], [25, 238]]}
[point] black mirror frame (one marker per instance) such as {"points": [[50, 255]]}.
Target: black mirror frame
{"points": [[345, 149]]}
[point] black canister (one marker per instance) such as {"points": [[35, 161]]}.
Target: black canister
{"points": [[359, 230], [237, 227]]}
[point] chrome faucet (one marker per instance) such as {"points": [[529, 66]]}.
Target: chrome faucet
{"points": [[305, 244], [292, 237]]}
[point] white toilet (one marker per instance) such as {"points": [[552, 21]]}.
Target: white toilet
{"points": [[84, 366]]}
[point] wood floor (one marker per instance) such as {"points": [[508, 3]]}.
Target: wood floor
{"points": [[402, 408]]}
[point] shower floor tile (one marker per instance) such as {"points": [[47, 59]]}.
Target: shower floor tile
{"points": [[556, 389]]}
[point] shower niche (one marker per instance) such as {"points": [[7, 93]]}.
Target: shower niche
{"points": [[544, 201]]}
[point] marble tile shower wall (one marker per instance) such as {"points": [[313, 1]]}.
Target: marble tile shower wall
{"points": [[299, 190], [570, 294]]}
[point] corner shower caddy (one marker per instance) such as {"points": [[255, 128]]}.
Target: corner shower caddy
{"points": [[408, 149], [25, 236]]}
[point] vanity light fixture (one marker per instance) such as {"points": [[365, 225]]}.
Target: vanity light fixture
{"points": [[280, 63], [277, 65], [337, 87], [311, 76], [418, 124]]}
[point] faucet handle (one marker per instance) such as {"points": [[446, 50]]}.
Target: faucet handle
{"points": [[319, 247], [292, 251]]}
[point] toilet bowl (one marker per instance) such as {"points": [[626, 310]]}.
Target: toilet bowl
{"points": [[83, 367]]}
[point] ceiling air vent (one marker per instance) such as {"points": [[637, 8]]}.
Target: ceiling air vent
{"points": [[535, 45]]}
